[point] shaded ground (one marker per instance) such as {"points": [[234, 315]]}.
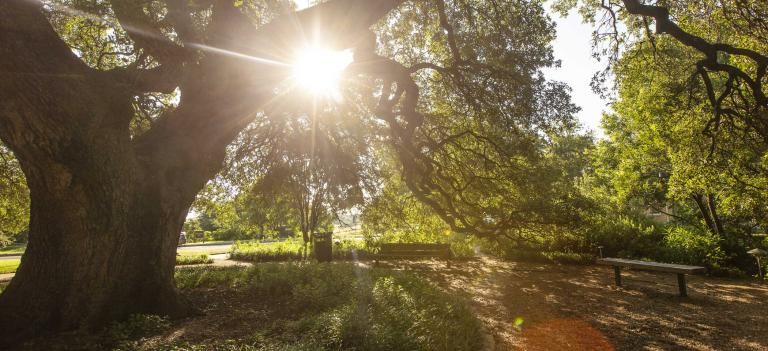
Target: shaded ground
{"points": [[531, 306]]}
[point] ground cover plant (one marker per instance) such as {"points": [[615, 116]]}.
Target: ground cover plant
{"points": [[344, 306], [299, 306], [295, 250], [185, 259]]}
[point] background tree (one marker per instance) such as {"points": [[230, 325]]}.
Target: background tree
{"points": [[14, 198]]}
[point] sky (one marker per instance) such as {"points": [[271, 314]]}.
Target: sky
{"points": [[573, 48]]}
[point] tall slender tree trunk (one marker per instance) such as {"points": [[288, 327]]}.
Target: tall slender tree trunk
{"points": [[701, 203]]}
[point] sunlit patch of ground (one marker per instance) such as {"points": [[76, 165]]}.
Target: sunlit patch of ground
{"points": [[531, 306]]}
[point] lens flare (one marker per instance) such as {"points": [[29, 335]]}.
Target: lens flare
{"points": [[319, 71]]}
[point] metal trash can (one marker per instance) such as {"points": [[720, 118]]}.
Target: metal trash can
{"points": [[323, 244]]}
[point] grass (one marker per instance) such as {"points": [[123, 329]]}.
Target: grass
{"points": [[13, 249], [9, 266], [338, 307], [184, 259]]}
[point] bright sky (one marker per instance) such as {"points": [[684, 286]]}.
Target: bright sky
{"points": [[573, 48]]}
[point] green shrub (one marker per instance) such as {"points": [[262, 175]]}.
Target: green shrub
{"points": [[293, 250], [182, 260], [13, 249], [623, 236], [229, 234], [691, 245], [288, 250], [344, 307]]}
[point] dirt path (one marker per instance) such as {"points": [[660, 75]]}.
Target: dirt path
{"points": [[550, 307]]}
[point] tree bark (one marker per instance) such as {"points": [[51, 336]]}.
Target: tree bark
{"points": [[712, 207], [708, 212]]}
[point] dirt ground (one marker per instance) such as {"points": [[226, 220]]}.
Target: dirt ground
{"points": [[532, 306]]}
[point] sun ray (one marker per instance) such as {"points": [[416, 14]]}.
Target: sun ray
{"points": [[319, 71]]}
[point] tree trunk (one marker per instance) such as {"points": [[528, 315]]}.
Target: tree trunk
{"points": [[102, 241], [712, 207], [704, 211]]}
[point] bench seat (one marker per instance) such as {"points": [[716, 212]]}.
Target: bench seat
{"points": [[679, 269]]}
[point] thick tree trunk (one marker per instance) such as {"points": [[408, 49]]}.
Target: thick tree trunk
{"points": [[102, 244]]}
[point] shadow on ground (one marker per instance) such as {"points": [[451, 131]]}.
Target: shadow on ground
{"points": [[529, 306]]}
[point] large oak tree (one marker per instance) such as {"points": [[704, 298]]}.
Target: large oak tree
{"points": [[107, 204], [110, 191]]}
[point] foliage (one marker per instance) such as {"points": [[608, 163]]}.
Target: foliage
{"points": [[186, 259], [288, 250], [351, 308], [395, 215], [661, 157], [14, 198], [294, 250], [691, 245], [13, 249], [487, 173]]}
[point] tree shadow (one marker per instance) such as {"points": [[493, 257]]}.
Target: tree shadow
{"points": [[536, 306]]}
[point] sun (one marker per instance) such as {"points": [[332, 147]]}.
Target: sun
{"points": [[319, 71]]}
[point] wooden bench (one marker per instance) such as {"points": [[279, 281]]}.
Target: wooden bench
{"points": [[679, 269], [417, 250]]}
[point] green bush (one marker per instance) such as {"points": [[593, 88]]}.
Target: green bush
{"points": [[288, 250], [623, 236], [344, 307], [691, 245], [293, 250], [182, 260], [229, 234]]}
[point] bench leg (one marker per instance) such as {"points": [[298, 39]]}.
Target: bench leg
{"points": [[617, 273], [681, 284]]}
